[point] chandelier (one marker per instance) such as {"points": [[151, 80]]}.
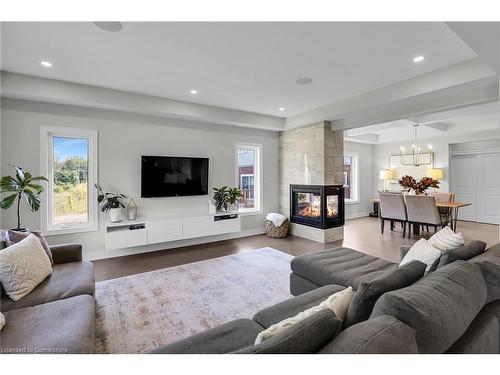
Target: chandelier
{"points": [[416, 149]]}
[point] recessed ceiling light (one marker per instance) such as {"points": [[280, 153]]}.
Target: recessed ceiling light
{"points": [[112, 27], [418, 58], [194, 92], [281, 108], [46, 64], [303, 81]]}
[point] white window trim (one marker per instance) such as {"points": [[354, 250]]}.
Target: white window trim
{"points": [[46, 168], [355, 174], [257, 179]]}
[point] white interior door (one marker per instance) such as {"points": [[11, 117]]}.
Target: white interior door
{"points": [[463, 184], [475, 179], [488, 190]]}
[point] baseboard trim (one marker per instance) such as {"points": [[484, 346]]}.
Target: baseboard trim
{"points": [[107, 254], [357, 215]]}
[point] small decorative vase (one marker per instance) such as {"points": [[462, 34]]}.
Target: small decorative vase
{"points": [[115, 215], [132, 210]]}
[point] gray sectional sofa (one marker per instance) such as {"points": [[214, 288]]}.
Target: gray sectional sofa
{"points": [[454, 309], [58, 316]]}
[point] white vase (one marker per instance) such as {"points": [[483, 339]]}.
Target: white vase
{"points": [[115, 214], [132, 210]]}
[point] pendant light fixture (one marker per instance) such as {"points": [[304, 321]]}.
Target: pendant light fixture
{"points": [[416, 149]]}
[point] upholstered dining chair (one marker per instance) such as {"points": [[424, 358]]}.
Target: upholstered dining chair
{"points": [[445, 212], [422, 210], [392, 208]]}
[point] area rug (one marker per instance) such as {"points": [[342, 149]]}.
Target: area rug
{"points": [[141, 312]]}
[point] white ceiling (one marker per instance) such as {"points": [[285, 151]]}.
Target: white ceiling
{"points": [[245, 66]]}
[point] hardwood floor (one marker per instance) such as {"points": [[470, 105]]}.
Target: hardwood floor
{"points": [[361, 234]]}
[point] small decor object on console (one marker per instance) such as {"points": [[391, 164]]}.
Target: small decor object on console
{"points": [[408, 182], [23, 184], [132, 210], [110, 202]]}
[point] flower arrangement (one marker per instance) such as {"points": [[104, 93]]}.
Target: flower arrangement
{"points": [[408, 182]]}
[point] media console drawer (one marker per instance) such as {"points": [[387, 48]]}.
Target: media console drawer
{"points": [[165, 230], [117, 238]]}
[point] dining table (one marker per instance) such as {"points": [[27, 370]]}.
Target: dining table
{"points": [[454, 206]]}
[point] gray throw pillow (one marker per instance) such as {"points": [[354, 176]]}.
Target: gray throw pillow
{"points": [[491, 274], [439, 307], [15, 237], [305, 337], [464, 252], [368, 293]]}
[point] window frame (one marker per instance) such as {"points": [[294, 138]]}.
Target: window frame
{"points": [[355, 178], [47, 169], [257, 176]]}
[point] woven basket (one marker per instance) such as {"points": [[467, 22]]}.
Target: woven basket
{"points": [[277, 232]]}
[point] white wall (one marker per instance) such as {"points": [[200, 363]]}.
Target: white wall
{"points": [[441, 155], [123, 138], [365, 175]]}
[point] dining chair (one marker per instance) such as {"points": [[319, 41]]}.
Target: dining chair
{"points": [[422, 210], [392, 208], [445, 212]]}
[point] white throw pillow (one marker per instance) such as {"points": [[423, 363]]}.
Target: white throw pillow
{"points": [[446, 239], [338, 303], [23, 266], [422, 251], [2, 321]]}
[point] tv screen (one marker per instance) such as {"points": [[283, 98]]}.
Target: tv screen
{"points": [[169, 176]]}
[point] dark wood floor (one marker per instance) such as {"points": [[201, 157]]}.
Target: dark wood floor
{"points": [[361, 234]]}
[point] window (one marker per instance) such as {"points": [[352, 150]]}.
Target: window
{"points": [[248, 176], [351, 178], [69, 161]]}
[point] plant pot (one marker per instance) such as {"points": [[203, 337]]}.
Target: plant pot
{"points": [[115, 215]]}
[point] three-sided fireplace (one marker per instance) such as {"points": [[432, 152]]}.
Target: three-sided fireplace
{"points": [[317, 205]]}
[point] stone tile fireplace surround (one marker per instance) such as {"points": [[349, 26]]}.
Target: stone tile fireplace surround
{"points": [[312, 155]]}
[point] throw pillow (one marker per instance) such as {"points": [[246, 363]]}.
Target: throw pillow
{"points": [[14, 237], [23, 266], [446, 239], [306, 337], [424, 252], [368, 293], [2, 321], [338, 303]]}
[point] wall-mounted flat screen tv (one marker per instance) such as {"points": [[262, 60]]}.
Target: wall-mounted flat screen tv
{"points": [[170, 176]]}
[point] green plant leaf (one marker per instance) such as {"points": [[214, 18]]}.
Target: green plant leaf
{"points": [[38, 188], [32, 200], [19, 174], [8, 201], [8, 183], [39, 178]]}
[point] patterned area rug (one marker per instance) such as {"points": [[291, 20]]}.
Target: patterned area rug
{"points": [[141, 312]]}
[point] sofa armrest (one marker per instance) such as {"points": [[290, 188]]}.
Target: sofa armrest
{"points": [[403, 250], [71, 252]]}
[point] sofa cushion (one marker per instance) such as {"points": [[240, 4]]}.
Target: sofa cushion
{"points": [[15, 236], [66, 326], [491, 274], [464, 252], [292, 306], [300, 285], [305, 337], [341, 266], [222, 339], [67, 280], [481, 337], [491, 255], [381, 335], [368, 293], [439, 307], [493, 309], [23, 266]]}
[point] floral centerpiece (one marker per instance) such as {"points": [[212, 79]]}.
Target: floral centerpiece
{"points": [[408, 182]]}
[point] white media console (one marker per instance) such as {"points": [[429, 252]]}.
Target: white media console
{"points": [[151, 231]]}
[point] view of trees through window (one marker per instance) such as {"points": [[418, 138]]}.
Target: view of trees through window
{"points": [[246, 170], [70, 171]]}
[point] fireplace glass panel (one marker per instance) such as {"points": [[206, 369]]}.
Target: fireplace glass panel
{"points": [[332, 206], [309, 205]]}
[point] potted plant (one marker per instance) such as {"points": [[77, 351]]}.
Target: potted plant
{"points": [[234, 195], [22, 185], [110, 202], [221, 198], [419, 187]]}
